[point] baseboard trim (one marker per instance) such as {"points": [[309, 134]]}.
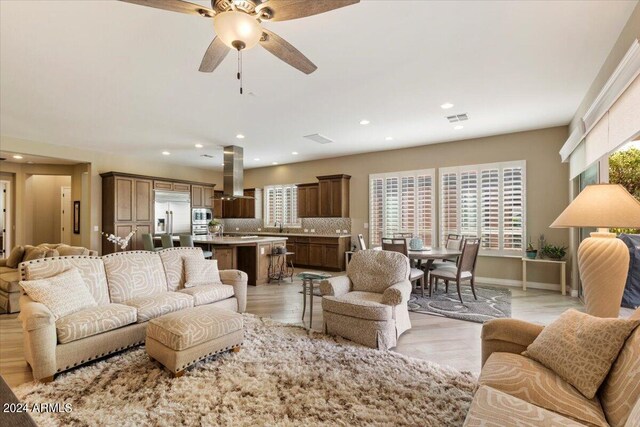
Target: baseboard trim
{"points": [[518, 283]]}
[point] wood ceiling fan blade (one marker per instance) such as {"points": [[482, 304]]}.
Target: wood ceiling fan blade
{"points": [[214, 55], [283, 10], [286, 52], [176, 6]]}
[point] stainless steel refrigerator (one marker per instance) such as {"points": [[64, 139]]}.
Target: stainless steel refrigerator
{"points": [[172, 212]]}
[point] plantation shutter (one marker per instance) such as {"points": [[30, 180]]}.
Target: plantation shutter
{"points": [[281, 205], [490, 209], [424, 209], [449, 205], [468, 204], [513, 209], [376, 208], [392, 206]]}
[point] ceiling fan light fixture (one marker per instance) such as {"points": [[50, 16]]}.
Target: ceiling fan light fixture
{"points": [[237, 30]]}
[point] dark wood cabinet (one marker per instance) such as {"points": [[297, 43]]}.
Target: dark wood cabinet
{"points": [[308, 200], [320, 252], [241, 208], [201, 196], [302, 253], [124, 195], [225, 258], [334, 195], [171, 185], [218, 205], [143, 200]]}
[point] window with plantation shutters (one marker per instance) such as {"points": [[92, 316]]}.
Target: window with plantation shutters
{"points": [[401, 202], [281, 205], [486, 201]]}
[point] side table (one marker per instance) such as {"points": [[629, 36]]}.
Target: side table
{"points": [[563, 271], [307, 290]]}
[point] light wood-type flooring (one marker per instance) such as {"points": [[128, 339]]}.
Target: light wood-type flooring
{"points": [[444, 341]]}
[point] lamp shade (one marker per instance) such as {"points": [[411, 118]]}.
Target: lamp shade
{"points": [[601, 206], [237, 30]]}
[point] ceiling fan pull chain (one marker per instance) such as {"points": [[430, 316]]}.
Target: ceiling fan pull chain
{"points": [[240, 69]]}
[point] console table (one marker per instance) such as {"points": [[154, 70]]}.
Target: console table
{"points": [[563, 271]]}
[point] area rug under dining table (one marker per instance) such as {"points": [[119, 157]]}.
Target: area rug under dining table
{"points": [[284, 375]]}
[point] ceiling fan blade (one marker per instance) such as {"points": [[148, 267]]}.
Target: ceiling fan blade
{"points": [[176, 6], [214, 55], [286, 52], [283, 10]]}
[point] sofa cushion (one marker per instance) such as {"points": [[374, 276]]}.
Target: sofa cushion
{"points": [[206, 294], [581, 348], [66, 250], [91, 269], [493, 408], [200, 271], [187, 328], [363, 305], [63, 294], [4, 269], [15, 257], [621, 388], [374, 271], [10, 282], [134, 274], [530, 381], [93, 321], [173, 262], [34, 252], [157, 305]]}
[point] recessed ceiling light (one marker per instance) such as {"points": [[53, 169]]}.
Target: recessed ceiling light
{"points": [[240, 136], [199, 145], [256, 160], [389, 138], [295, 153], [165, 153], [222, 164], [274, 163], [446, 106], [458, 127], [364, 122], [17, 156]]}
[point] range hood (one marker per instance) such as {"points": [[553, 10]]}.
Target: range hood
{"points": [[233, 174]]}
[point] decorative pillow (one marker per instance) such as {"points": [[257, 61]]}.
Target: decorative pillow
{"points": [[581, 348], [51, 253], [65, 250], [200, 271], [15, 257], [63, 294], [34, 252]]}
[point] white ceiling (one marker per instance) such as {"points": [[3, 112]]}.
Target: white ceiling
{"points": [[123, 78], [30, 159]]}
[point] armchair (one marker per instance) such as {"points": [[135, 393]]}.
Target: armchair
{"points": [[369, 304]]}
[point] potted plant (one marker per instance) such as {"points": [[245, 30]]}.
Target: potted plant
{"points": [[214, 226], [554, 252], [531, 252]]}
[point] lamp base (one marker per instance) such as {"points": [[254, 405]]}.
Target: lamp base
{"points": [[603, 262]]}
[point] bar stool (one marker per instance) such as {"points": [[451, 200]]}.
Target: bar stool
{"points": [[187, 242]]}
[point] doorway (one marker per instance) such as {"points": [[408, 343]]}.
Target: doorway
{"points": [[65, 215]]}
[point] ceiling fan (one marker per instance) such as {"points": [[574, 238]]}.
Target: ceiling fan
{"points": [[237, 24]]}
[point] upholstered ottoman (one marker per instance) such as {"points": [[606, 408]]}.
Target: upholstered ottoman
{"points": [[180, 339]]}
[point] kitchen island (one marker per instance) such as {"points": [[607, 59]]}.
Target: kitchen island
{"points": [[246, 253]]}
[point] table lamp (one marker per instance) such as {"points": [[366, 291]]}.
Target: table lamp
{"points": [[603, 260]]}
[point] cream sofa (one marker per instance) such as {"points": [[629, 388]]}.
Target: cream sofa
{"points": [[10, 276], [369, 304], [130, 289], [516, 390]]}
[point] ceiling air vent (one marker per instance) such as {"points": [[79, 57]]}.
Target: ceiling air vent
{"points": [[208, 156], [457, 118], [316, 137]]}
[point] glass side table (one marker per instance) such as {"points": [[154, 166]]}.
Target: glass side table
{"points": [[308, 286]]}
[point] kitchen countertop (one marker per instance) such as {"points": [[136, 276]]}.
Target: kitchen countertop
{"points": [[227, 240], [266, 233]]}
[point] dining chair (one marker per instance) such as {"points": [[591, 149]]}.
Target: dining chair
{"points": [[402, 235], [464, 271], [167, 241], [400, 245], [361, 243], [454, 242], [186, 241], [147, 241]]}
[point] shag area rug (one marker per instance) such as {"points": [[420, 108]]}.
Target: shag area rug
{"points": [[492, 303], [284, 375]]}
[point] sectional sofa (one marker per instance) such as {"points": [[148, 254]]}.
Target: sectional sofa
{"points": [[130, 288]]}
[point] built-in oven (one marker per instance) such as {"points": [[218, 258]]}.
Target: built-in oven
{"points": [[200, 218]]}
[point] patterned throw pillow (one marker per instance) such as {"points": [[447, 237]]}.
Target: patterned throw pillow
{"points": [[581, 348], [63, 294], [15, 257], [200, 271]]}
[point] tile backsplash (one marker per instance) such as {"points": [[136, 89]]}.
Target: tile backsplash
{"points": [[322, 226]]}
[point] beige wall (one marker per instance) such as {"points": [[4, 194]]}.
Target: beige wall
{"points": [[96, 163], [45, 207], [630, 32], [547, 189]]}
